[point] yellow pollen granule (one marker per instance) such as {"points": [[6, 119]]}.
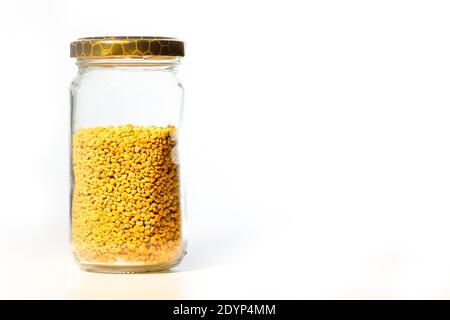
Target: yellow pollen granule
{"points": [[126, 198]]}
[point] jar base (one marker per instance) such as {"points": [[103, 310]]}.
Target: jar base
{"points": [[129, 269]]}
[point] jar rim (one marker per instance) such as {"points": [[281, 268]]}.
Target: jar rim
{"points": [[147, 47]]}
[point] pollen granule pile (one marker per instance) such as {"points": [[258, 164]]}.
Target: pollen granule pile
{"points": [[126, 204]]}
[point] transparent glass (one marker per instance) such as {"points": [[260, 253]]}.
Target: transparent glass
{"points": [[127, 207]]}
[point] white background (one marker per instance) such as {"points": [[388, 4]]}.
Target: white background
{"points": [[318, 133]]}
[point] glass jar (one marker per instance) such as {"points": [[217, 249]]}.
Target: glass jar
{"points": [[126, 198]]}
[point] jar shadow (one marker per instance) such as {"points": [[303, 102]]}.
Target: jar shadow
{"points": [[163, 285], [214, 249]]}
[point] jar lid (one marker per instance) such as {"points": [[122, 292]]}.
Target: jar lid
{"points": [[131, 47]]}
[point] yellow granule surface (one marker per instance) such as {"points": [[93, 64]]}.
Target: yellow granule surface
{"points": [[126, 200]]}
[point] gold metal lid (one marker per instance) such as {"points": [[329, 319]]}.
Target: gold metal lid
{"points": [[131, 47]]}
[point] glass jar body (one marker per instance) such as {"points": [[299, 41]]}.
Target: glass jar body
{"points": [[127, 199]]}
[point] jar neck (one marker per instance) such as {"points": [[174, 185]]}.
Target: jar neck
{"points": [[169, 64]]}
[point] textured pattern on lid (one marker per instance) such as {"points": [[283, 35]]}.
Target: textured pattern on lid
{"points": [[116, 47]]}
